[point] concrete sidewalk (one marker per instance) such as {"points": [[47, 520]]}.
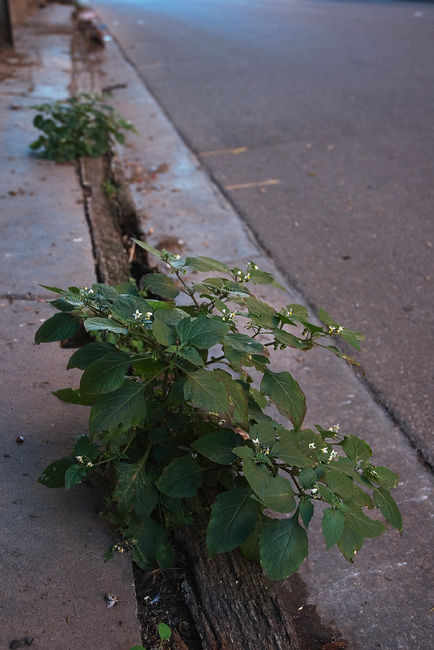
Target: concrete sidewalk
{"points": [[52, 543], [54, 582]]}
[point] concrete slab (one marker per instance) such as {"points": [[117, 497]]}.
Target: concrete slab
{"points": [[54, 579]]}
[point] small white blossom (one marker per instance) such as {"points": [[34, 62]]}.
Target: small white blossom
{"points": [[89, 464], [148, 314], [138, 314], [256, 441], [335, 428], [314, 490], [311, 445], [334, 454], [79, 458], [325, 450]]}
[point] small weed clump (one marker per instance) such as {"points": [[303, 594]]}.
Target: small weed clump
{"points": [[78, 127]]}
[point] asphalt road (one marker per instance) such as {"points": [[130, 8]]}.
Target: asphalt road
{"points": [[333, 102]]}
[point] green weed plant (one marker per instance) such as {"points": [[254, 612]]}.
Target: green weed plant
{"points": [[176, 415], [82, 126]]}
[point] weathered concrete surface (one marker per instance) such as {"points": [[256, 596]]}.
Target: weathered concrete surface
{"points": [[54, 580], [384, 599]]}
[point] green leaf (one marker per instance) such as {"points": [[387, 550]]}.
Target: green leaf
{"points": [[284, 546], [340, 484], [97, 324], [57, 328], [53, 476], [145, 536], [233, 518], [333, 524], [206, 392], [191, 355], [125, 307], [274, 492], [237, 398], [290, 453], [202, 332], [352, 338], [218, 446], [181, 478], [265, 432], [359, 522], [307, 478], [73, 396], [89, 353], [356, 448], [325, 318], [74, 475], [381, 475], [203, 263], [119, 411], [264, 314], [306, 511], [290, 340], [84, 447], [162, 285], [388, 507], [350, 543], [164, 334], [283, 391], [106, 374], [243, 343], [164, 631], [134, 490]]}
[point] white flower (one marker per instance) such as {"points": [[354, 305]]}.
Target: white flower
{"points": [[311, 445], [314, 490], [335, 428], [256, 441], [334, 454], [137, 314], [79, 458], [89, 464], [148, 314], [325, 450]]}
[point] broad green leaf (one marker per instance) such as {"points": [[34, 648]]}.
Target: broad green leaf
{"points": [[264, 314], [350, 543], [126, 306], [387, 505], [106, 374], [243, 343], [233, 519], [307, 478], [164, 334], [237, 398], [181, 478], [191, 355], [203, 263], [352, 338], [284, 546], [84, 447], [283, 391], [361, 523], [265, 432], [149, 248], [119, 411], [134, 490], [89, 353], [202, 332], [162, 285], [340, 484], [97, 324], [53, 476], [145, 537], [206, 392], [62, 304], [74, 475], [73, 396], [274, 492], [251, 548], [262, 277], [333, 524], [57, 328], [290, 340], [126, 287], [164, 631], [290, 453], [382, 476], [356, 448], [53, 289], [218, 446], [299, 312], [325, 318], [306, 511]]}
